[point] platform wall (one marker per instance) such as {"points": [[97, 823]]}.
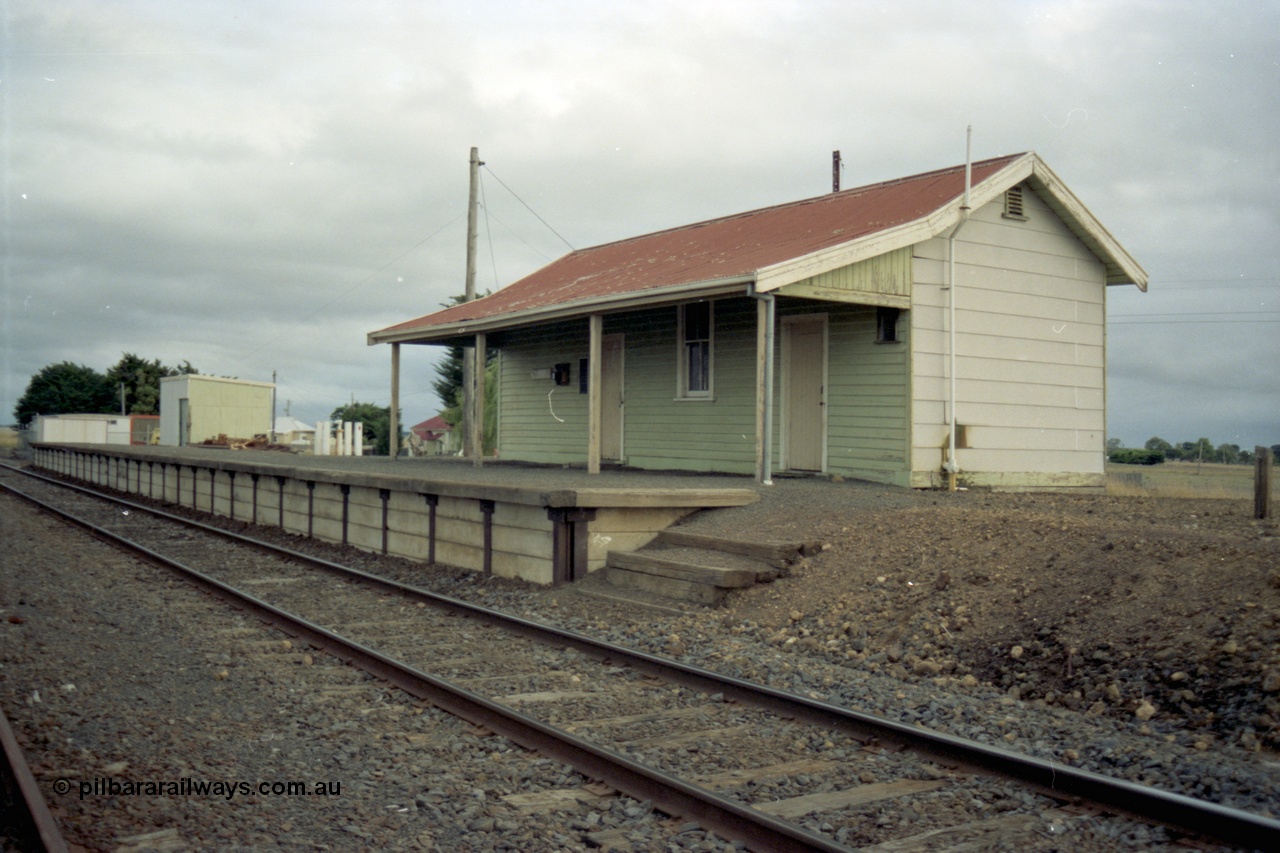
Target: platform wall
{"points": [[520, 536]]}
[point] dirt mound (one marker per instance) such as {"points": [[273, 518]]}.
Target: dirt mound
{"points": [[1164, 609]]}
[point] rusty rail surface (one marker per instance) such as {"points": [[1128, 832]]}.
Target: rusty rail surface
{"points": [[30, 821], [1211, 820]]}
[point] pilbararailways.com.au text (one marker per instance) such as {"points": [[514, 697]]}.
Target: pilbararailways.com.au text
{"points": [[109, 786]]}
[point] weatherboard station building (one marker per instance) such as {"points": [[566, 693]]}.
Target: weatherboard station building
{"points": [[890, 333], [950, 324]]}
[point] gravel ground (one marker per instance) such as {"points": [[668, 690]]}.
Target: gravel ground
{"points": [[1135, 637], [219, 700]]}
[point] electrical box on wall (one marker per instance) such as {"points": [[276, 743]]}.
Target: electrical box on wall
{"points": [[540, 373]]}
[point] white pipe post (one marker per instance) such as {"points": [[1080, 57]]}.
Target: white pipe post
{"points": [[952, 466]]}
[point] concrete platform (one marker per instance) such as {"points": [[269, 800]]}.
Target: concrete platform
{"points": [[546, 525]]}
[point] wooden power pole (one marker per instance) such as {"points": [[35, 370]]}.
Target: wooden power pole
{"points": [[1262, 468], [473, 432]]}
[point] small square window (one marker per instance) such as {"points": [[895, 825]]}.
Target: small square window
{"points": [[887, 325]]}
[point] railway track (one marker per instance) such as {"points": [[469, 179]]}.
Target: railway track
{"points": [[26, 823], [657, 730]]}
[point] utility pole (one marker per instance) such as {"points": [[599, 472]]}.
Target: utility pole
{"points": [[471, 362], [271, 434]]}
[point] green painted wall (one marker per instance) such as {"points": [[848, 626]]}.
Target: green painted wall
{"points": [[867, 397], [538, 420], [716, 434]]}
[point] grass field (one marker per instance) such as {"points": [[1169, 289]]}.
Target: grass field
{"points": [[1185, 480], [8, 438]]}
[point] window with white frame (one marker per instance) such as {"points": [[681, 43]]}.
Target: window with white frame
{"points": [[695, 325]]}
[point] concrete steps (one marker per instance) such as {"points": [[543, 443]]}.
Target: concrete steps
{"points": [[699, 568]]}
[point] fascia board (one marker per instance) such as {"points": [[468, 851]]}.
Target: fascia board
{"points": [[908, 234], [1086, 220], [565, 311], [807, 266]]}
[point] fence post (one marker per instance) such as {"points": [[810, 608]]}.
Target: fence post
{"points": [[1262, 467]]}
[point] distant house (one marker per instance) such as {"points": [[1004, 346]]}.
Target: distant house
{"points": [[891, 333], [433, 437], [293, 432]]}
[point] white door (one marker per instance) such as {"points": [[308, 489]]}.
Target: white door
{"points": [[805, 392], [611, 349]]}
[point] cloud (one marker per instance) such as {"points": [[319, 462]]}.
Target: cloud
{"points": [[254, 188]]}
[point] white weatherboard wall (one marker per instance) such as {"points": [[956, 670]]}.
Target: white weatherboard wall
{"points": [[1030, 353], [235, 408], [76, 429]]}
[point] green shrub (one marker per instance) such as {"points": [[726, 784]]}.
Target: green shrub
{"points": [[1136, 456]]}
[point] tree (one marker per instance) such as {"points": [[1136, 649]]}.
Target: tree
{"points": [[377, 424], [448, 381], [1114, 444], [1228, 453], [141, 380], [65, 389], [453, 414], [1157, 443]]}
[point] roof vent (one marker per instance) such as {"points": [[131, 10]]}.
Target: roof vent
{"points": [[1013, 204]]}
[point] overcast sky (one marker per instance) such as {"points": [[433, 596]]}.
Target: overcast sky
{"points": [[255, 186]]}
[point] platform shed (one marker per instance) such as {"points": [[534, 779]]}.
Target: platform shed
{"points": [[195, 408], [81, 429]]}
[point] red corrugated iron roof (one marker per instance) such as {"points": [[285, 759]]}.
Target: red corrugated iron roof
{"points": [[726, 248], [431, 428]]}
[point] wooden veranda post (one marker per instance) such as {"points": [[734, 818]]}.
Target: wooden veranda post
{"points": [[1263, 465], [475, 417], [393, 440], [594, 350], [764, 389]]}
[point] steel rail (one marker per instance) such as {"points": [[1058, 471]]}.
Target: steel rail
{"points": [[29, 813], [670, 794], [1243, 829]]}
